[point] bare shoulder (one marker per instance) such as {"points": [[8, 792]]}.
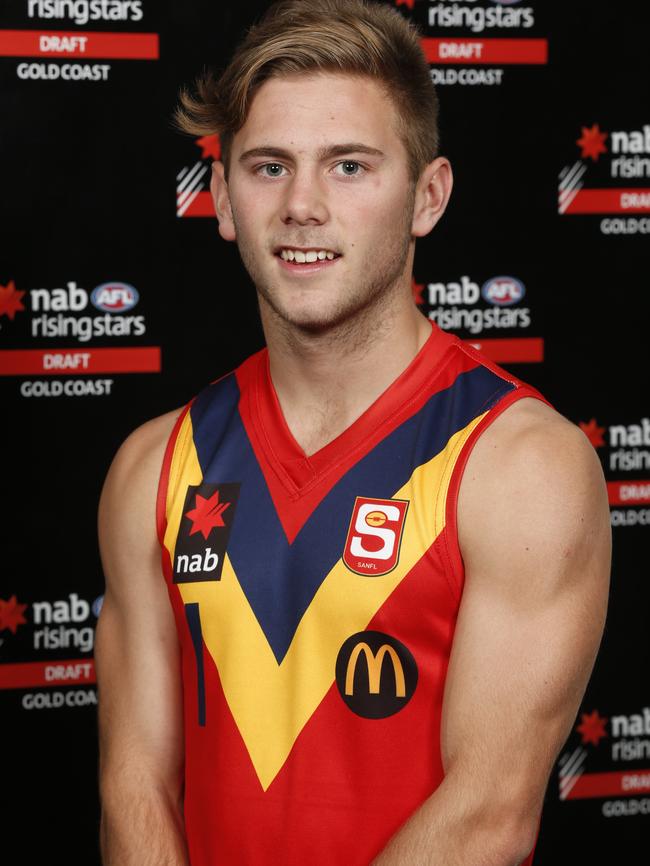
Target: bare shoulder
{"points": [[142, 451], [136, 466], [127, 525], [533, 485], [528, 423], [530, 443]]}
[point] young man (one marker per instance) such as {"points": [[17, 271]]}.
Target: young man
{"points": [[387, 558]]}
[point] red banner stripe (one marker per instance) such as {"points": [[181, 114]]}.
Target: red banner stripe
{"points": [[201, 206], [616, 784], [75, 362], [472, 51], [26, 675], [613, 200], [629, 492], [79, 43], [515, 350]]}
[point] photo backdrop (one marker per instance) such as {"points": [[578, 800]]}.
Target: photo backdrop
{"points": [[118, 301]]}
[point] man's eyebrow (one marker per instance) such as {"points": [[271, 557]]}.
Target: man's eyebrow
{"points": [[327, 152], [348, 147], [266, 150]]}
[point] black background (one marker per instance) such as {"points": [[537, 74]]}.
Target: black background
{"points": [[88, 194]]}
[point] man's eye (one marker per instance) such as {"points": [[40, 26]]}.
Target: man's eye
{"points": [[349, 168], [271, 169]]}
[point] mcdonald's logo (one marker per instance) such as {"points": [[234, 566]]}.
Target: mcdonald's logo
{"points": [[376, 674], [374, 669]]}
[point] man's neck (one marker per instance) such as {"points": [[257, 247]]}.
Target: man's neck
{"points": [[326, 380]]}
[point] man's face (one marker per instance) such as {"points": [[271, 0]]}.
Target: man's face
{"points": [[318, 171]]}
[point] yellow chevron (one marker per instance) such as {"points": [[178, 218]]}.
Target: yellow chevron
{"points": [[271, 703]]}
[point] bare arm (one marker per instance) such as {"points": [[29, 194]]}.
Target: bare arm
{"points": [[138, 669], [535, 538]]}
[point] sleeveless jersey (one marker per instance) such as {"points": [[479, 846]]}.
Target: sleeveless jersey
{"points": [[315, 599]]}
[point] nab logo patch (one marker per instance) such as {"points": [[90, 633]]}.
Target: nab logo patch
{"points": [[376, 674], [375, 534], [208, 515]]}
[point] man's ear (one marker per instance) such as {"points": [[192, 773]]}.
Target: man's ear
{"points": [[221, 199], [432, 193]]}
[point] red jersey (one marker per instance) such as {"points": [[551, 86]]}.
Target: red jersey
{"points": [[316, 599]]}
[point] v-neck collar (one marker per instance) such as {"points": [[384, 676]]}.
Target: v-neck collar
{"points": [[293, 467]]}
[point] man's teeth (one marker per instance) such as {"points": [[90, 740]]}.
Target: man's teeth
{"points": [[302, 257]]}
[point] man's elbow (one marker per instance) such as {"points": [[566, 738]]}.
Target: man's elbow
{"points": [[513, 831], [495, 824], [519, 840]]}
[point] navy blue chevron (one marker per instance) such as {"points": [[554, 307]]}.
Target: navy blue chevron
{"points": [[279, 579]]}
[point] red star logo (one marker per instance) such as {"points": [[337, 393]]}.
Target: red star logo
{"points": [[206, 514], [592, 142], [10, 302], [417, 289], [210, 146], [11, 614], [593, 432], [592, 727], [409, 3]]}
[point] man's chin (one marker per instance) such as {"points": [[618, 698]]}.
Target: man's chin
{"points": [[313, 322], [311, 317], [319, 314]]}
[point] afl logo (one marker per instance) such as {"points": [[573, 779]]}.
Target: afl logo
{"points": [[503, 291], [114, 297], [374, 535], [97, 605]]}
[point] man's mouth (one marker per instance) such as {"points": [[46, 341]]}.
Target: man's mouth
{"points": [[306, 255]]}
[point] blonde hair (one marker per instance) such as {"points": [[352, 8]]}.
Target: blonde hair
{"points": [[307, 36]]}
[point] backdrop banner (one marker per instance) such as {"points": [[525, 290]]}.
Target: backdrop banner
{"points": [[119, 301]]}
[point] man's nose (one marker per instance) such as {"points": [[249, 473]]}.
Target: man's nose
{"points": [[305, 201]]}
